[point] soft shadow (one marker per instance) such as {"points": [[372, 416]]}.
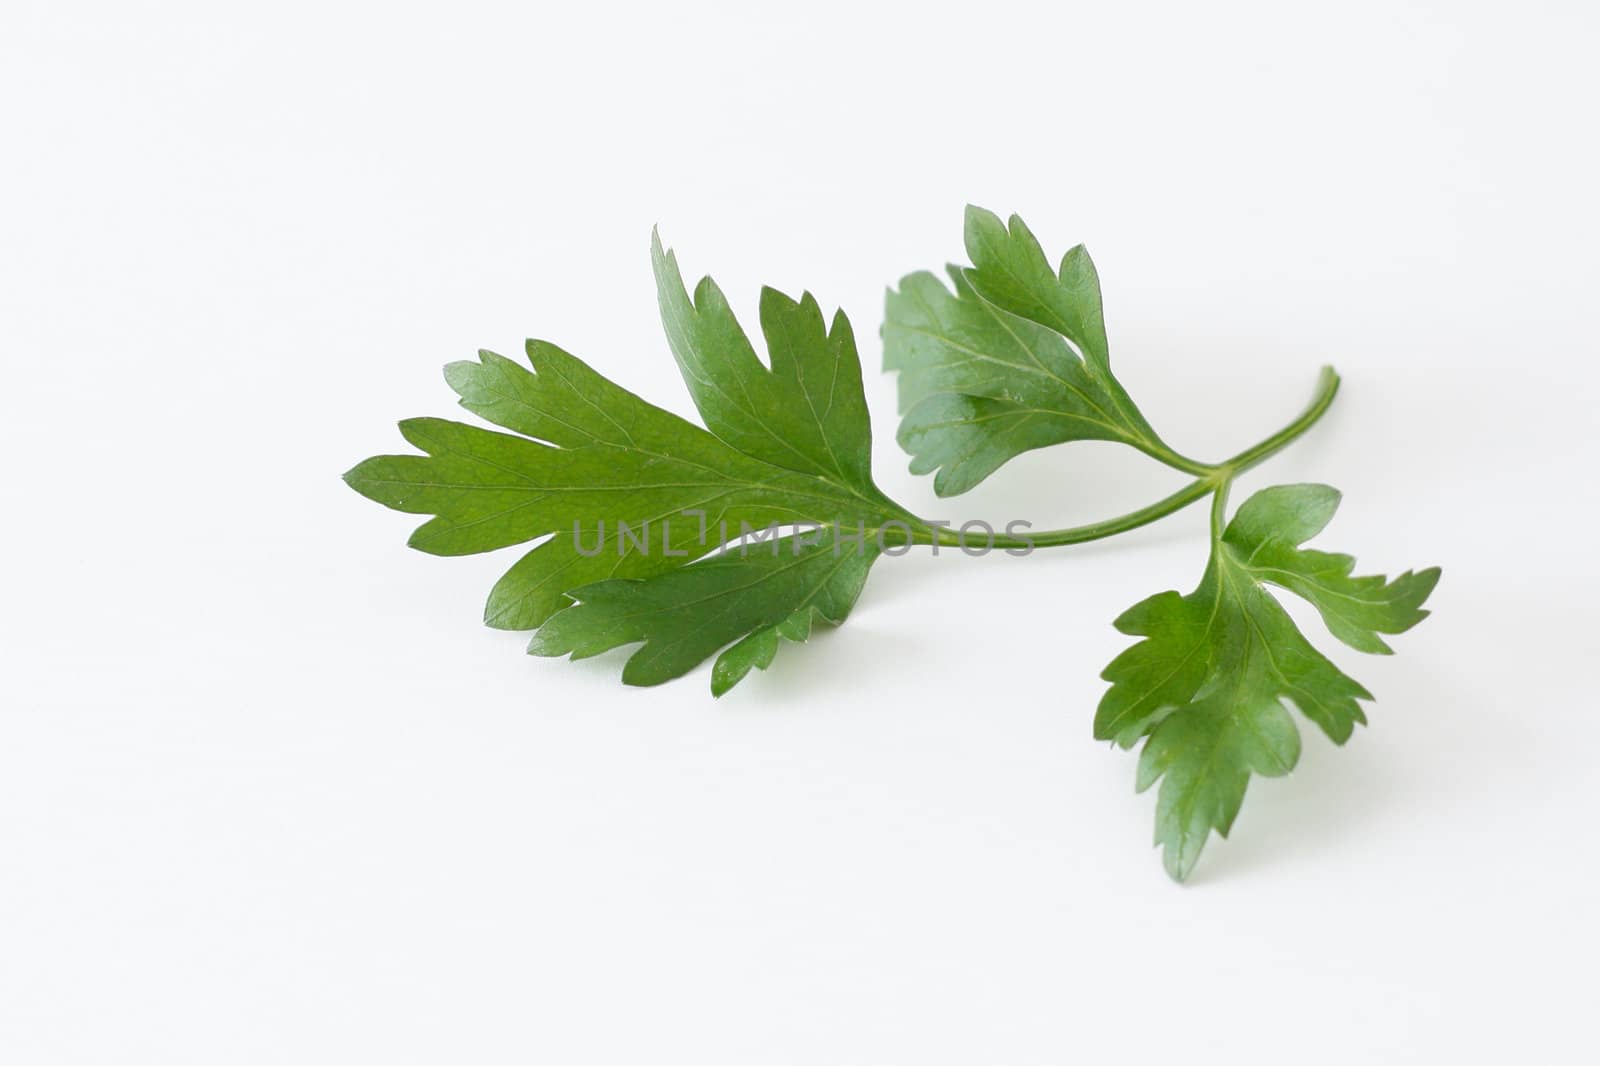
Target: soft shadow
{"points": [[1440, 743], [1332, 794]]}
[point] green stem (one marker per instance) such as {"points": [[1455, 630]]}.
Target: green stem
{"points": [[1054, 538], [1219, 512], [1327, 389], [1166, 456], [1213, 480]]}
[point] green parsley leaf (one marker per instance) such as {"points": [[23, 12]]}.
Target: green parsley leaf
{"points": [[752, 594], [1207, 684], [627, 495], [1014, 359], [807, 413]]}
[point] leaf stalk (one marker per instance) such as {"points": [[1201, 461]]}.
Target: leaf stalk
{"points": [[1213, 480]]}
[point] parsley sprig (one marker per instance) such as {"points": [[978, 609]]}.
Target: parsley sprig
{"points": [[645, 529]]}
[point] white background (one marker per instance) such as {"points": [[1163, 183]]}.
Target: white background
{"points": [[269, 793]]}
